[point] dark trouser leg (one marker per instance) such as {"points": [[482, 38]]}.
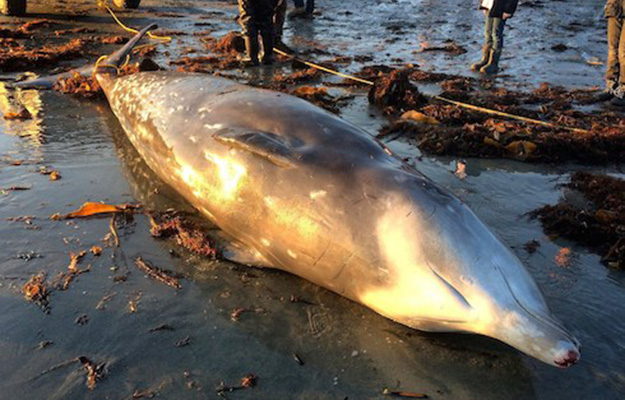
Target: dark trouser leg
{"points": [[249, 29], [496, 33], [266, 31], [278, 20], [488, 44], [613, 70], [310, 6], [266, 15]]}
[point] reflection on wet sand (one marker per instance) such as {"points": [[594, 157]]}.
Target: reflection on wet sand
{"points": [[12, 100]]}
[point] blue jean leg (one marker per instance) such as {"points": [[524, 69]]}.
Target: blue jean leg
{"points": [[494, 32]]}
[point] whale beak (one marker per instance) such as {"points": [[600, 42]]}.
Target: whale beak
{"points": [[539, 336], [569, 355]]}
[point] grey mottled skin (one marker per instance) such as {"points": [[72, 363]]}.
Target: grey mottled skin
{"points": [[313, 195]]}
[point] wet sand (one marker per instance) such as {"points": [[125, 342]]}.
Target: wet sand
{"points": [[347, 350]]}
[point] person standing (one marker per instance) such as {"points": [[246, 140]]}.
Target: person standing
{"points": [[496, 13], [257, 16], [615, 72]]}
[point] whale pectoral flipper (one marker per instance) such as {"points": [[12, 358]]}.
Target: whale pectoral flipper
{"points": [[239, 253], [264, 144]]}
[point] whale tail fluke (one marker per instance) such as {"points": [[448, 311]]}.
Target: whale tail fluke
{"points": [[106, 65], [117, 59]]}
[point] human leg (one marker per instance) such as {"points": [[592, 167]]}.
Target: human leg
{"points": [[488, 44], [497, 29]]}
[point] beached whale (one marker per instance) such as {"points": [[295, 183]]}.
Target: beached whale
{"points": [[304, 191]]}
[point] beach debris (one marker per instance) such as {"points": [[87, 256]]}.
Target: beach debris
{"points": [[20, 58], [449, 47], [133, 302], [82, 319], [14, 188], [96, 250], [318, 96], [44, 343], [74, 260], [22, 114], [235, 314], [95, 371], [113, 231], [298, 359], [114, 39], [52, 173], [598, 222], [89, 209], [79, 85], [184, 232], [141, 394], [531, 246], [404, 394], [299, 76], [102, 303], [417, 116], [29, 255], [248, 381], [161, 275], [394, 93], [563, 257], [183, 342], [65, 278], [37, 291], [297, 299], [162, 327], [232, 42], [461, 170]]}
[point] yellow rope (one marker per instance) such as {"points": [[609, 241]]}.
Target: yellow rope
{"points": [[98, 64], [456, 103], [322, 68], [131, 30], [503, 114]]}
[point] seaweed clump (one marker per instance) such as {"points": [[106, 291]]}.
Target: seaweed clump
{"points": [[394, 93], [598, 222], [184, 232]]}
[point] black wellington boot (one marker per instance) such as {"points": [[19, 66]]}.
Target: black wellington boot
{"points": [[492, 67], [485, 57], [268, 58], [619, 97], [608, 92]]}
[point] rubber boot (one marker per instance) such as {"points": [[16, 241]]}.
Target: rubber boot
{"points": [[619, 97], [492, 67], [252, 49], [268, 48], [485, 56], [608, 92]]}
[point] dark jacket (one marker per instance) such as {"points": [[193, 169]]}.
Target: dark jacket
{"points": [[614, 8], [503, 6]]}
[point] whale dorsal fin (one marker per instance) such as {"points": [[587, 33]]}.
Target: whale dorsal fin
{"points": [[264, 144]]}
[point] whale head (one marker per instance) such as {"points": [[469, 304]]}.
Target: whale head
{"points": [[444, 270]]}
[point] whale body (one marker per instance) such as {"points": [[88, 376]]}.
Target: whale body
{"points": [[304, 191]]}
